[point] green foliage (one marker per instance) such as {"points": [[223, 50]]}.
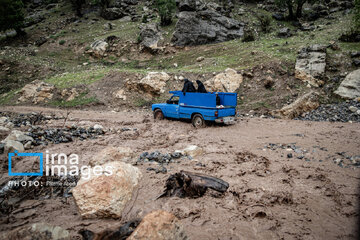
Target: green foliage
{"points": [[62, 42], [357, 15], [265, 22], [77, 5], [166, 9], [11, 15], [294, 7]]}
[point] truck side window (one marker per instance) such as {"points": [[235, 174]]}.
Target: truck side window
{"points": [[173, 100]]}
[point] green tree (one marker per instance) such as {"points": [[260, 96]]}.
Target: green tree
{"points": [[77, 5], [12, 15], [294, 7], [166, 9]]}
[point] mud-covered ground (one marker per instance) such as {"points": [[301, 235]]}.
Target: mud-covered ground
{"points": [[286, 179]]}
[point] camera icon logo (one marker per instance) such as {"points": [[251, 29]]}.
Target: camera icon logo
{"points": [[15, 153]]}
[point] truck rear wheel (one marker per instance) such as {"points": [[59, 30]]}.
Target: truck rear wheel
{"points": [[198, 121], [158, 114]]}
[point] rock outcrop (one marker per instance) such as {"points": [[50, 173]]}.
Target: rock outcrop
{"points": [[39, 231], [159, 225], [37, 92], [228, 81], [98, 48], [106, 195], [150, 36], [204, 27], [305, 103], [350, 87], [153, 84], [310, 65]]}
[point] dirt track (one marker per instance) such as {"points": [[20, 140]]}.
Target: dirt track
{"points": [[270, 196]]}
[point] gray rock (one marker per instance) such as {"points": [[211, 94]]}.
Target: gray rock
{"points": [[310, 64], [27, 145], [11, 146], [188, 5], [203, 27], [18, 136], [353, 109], [34, 19], [112, 13], [150, 36], [284, 32], [350, 87]]}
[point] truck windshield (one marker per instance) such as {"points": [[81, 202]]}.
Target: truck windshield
{"points": [[174, 100]]}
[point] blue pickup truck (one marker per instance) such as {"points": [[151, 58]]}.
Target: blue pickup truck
{"points": [[199, 107]]}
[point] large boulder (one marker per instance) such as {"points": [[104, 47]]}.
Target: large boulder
{"points": [[106, 195], [98, 48], [188, 5], [203, 27], [37, 92], [193, 151], [310, 65], [153, 84], [350, 87], [19, 136], [111, 154], [11, 146], [159, 225], [38, 231], [305, 103], [228, 81], [150, 36]]}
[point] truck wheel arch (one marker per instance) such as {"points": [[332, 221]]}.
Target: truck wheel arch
{"points": [[158, 114]]}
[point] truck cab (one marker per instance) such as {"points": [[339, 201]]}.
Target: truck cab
{"points": [[199, 107]]}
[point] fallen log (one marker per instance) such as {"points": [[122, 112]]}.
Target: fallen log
{"points": [[188, 184]]}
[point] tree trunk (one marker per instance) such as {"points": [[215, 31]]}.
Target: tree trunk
{"points": [[299, 8], [290, 8]]}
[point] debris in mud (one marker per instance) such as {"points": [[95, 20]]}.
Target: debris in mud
{"points": [[187, 184], [27, 119], [122, 233], [340, 112], [62, 135], [34, 188]]}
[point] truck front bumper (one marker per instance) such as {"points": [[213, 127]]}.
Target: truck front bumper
{"points": [[225, 120]]}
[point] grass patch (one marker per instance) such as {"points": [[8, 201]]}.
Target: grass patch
{"points": [[7, 97], [81, 100], [67, 80]]}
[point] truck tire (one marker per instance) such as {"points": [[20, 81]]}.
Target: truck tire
{"points": [[198, 121], [158, 114]]}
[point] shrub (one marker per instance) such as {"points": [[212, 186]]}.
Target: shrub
{"points": [[166, 9], [265, 22], [62, 42], [12, 15]]}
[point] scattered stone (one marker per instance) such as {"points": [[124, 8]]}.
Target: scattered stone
{"points": [[310, 65], [289, 155], [334, 113], [278, 16], [70, 94], [301, 105], [120, 94], [350, 87], [159, 225], [193, 151], [228, 81], [200, 59], [153, 84], [204, 27], [269, 82], [106, 195], [37, 92], [353, 109]]}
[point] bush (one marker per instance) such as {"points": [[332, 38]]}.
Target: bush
{"points": [[265, 22], [249, 35], [166, 9], [62, 42], [12, 15], [357, 15]]}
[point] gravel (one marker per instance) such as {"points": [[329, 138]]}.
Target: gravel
{"points": [[340, 112]]}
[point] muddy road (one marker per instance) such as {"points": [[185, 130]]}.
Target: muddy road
{"points": [[288, 179]]}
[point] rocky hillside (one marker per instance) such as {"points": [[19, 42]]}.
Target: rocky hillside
{"points": [[120, 57]]}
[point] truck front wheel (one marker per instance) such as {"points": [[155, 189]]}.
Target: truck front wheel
{"points": [[158, 114], [198, 121]]}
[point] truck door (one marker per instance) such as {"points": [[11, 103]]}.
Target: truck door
{"points": [[172, 107]]}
